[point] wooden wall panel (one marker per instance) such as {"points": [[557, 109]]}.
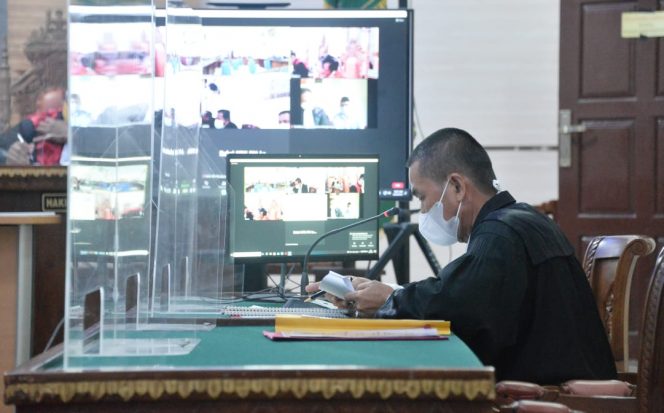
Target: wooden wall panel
{"points": [[607, 61]]}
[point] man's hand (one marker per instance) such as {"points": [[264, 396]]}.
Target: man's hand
{"points": [[53, 129], [357, 281], [19, 154], [369, 296]]}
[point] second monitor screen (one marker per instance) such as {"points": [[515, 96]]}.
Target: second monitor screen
{"points": [[283, 205]]}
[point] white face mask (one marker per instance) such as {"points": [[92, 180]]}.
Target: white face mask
{"points": [[219, 124], [435, 228]]}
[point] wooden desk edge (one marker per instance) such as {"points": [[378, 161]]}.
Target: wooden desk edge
{"points": [[26, 386], [29, 218], [33, 172]]}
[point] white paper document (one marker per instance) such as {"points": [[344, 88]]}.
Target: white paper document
{"points": [[336, 284]]}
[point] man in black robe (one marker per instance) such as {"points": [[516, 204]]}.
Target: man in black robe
{"points": [[518, 297]]}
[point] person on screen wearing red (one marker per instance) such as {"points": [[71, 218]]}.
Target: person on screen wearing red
{"points": [[329, 66], [39, 138], [354, 65], [299, 67], [274, 211], [518, 297]]}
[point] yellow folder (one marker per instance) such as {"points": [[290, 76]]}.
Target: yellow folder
{"points": [[302, 324]]}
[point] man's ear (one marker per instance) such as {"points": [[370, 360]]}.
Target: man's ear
{"points": [[458, 184]]}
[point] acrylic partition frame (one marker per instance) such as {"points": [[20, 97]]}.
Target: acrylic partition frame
{"points": [[147, 211]]}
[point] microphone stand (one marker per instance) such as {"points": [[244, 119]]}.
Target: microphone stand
{"points": [[305, 276]]}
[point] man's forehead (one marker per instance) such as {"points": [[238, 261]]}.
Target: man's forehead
{"points": [[417, 182], [414, 174]]}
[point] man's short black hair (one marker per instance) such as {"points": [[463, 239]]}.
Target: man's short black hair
{"points": [[454, 150]]}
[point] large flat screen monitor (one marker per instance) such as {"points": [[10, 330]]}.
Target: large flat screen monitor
{"points": [[284, 203], [309, 82]]}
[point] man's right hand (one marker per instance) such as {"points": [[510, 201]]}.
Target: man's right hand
{"points": [[369, 296], [19, 153]]}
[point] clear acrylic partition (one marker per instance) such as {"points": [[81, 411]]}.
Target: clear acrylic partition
{"points": [[146, 245], [189, 258]]}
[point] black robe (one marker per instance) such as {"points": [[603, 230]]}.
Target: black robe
{"points": [[518, 298]]}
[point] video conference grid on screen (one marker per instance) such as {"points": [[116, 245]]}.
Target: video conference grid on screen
{"points": [[283, 204], [263, 81], [310, 82]]}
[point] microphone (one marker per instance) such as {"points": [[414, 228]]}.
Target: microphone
{"points": [[26, 130], [305, 276]]}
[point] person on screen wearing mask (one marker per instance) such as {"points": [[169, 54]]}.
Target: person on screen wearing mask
{"points": [[345, 118], [312, 114], [518, 297]]}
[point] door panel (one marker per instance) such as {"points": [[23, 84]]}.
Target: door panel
{"points": [[660, 66], [606, 142], [615, 88], [659, 168], [607, 64]]}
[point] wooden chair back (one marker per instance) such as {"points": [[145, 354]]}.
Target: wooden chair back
{"points": [[650, 377], [609, 265]]}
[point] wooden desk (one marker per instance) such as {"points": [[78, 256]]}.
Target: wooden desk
{"points": [[22, 190], [16, 283], [236, 369], [25, 274]]}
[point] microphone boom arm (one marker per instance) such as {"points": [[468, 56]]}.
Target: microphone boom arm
{"points": [[305, 276]]}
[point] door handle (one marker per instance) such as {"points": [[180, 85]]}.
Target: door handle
{"points": [[565, 130]]}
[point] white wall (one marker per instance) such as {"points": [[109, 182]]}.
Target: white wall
{"points": [[490, 67]]}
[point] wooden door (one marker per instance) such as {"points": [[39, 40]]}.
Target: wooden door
{"points": [[615, 88]]}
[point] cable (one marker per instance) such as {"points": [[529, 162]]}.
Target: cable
{"points": [[54, 334]]}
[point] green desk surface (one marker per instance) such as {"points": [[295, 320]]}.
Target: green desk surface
{"points": [[235, 346]]}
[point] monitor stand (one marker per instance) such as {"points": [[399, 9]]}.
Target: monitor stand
{"points": [[255, 277]]}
